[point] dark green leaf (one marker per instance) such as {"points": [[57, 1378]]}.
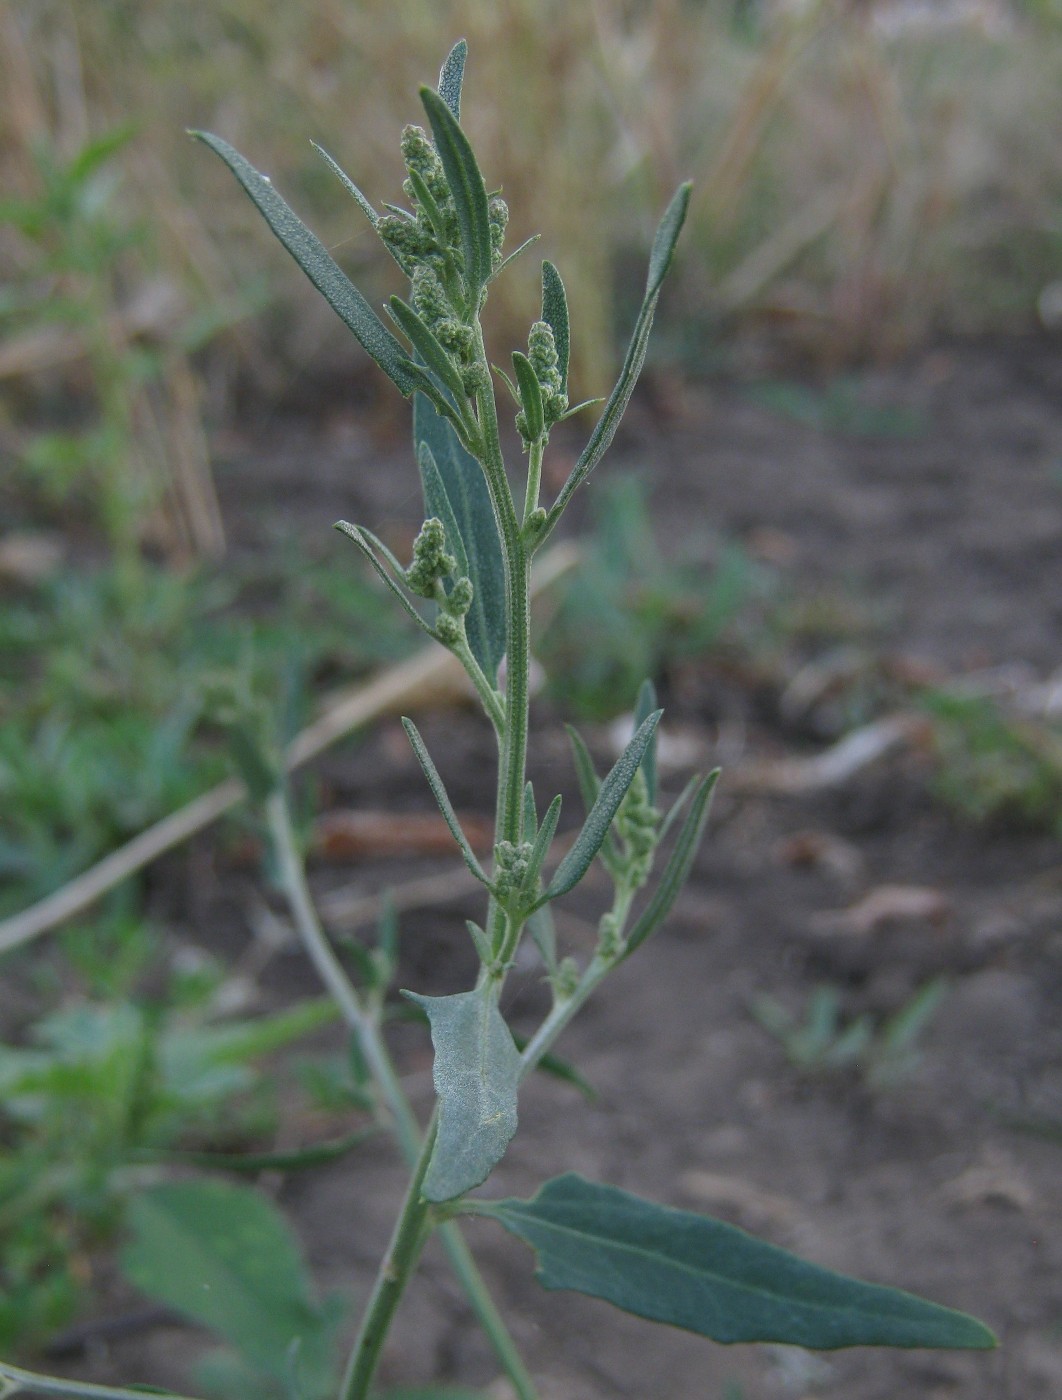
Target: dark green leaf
{"points": [[711, 1278], [451, 77], [530, 397], [589, 782], [223, 1255], [469, 192], [678, 866], [348, 184], [466, 489], [445, 806], [423, 340], [587, 844], [530, 826], [318, 264], [543, 840], [555, 314], [605, 431], [644, 706], [476, 1074]]}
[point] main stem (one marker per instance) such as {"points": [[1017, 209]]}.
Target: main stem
{"points": [[372, 1046], [512, 756]]}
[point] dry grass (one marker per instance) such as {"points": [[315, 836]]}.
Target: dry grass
{"points": [[857, 188]]}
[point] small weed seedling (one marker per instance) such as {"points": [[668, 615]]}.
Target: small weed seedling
{"points": [[467, 587]]}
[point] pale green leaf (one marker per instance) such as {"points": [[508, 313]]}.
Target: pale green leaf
{"points": [[644, 706], [476, 1074], [424, 342], [530, 397], [318, 264], [468, 190], [444, 803], [466, 490], [555, 314], [451, 77], [711, 1278], [348, 184]]}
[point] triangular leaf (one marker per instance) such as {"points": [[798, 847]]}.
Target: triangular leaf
{"points": [[659, 261], [468, 190], [587, 844], [711, 1278], [476, 1074], [466, 489], [223, 1255], [452, 76], [318, 264]]}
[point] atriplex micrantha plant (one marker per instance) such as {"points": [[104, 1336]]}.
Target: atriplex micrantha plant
{"points": [[468, 588]]}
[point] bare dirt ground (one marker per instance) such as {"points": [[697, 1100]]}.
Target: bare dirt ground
{"points": [[950, 536]]}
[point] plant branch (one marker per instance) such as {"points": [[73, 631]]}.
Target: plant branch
{"points": [[374, 1050]]}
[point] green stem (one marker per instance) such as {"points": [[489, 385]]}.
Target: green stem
{"points": [[15, 1381], [408, 1239], [563, 1012], [376, 1055], [534, 476]]}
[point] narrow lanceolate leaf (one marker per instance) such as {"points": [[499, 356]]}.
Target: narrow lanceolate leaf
{"points": [[659, 262], [476, 1073], [587, 844], [318, 264], [445, 806], [452, 76], [361, 539], [677, 869], [555, 314], [543, 841], [698, 1273], [466, 489], [424, 342], [589, 782], [469, 192], [530, 826], [530, 397], [223, 1255], [348, 184], [644, 706]]}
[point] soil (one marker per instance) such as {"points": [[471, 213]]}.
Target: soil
{"points": [[947, 539]]}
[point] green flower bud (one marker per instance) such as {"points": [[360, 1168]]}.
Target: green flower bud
{"points": [[475, 378], [429, 298], [430, 560], [421, 156], [498, 215], [448, 629], [609, 937], [458, 339], [566, 979], [459, 599], [409, 242]]}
